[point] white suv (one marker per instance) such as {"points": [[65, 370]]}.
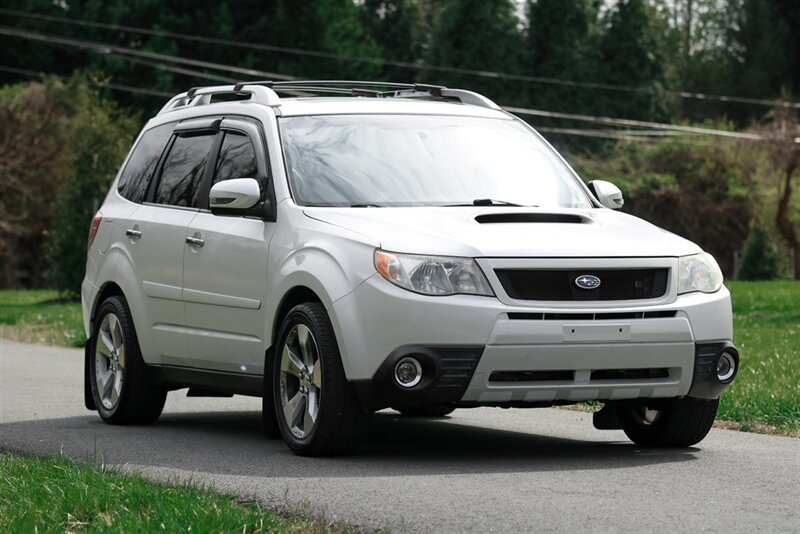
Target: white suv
{"points": [[395, 245]]}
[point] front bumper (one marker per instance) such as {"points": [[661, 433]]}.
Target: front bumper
{"points": [[529, 356]]}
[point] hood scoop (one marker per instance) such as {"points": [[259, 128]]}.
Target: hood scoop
{"points": [[489, 218]]}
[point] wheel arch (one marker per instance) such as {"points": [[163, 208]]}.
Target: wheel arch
{"points": [[296, 295], [109, 289]]}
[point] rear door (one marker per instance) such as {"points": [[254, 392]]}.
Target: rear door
{"points": [[225, 271], [156, 235]]}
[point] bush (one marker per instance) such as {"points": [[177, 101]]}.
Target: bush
{"points": [[100, 138], [759, 260]]}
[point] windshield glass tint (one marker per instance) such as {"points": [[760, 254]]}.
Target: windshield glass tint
{"points": [[422, 160]]}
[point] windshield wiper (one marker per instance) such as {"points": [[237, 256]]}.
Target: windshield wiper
{"points": [[364, 205], [490, 202]]}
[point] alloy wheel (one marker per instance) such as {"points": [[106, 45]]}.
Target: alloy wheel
{"points": [[109, 358], [300, 381]]}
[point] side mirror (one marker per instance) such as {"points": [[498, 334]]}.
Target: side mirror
{"points": [[235, 195], [607, 194]]}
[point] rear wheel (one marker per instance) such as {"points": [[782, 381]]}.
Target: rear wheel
{"points": [[117, 373], [437, 410], [318, 413], [668, 423]]}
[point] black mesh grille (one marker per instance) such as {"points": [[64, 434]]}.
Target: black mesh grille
{"points": [[457, 367], [615, 284]]}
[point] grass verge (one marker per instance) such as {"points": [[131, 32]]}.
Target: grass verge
{"points": [[40, 316], [59, 495], [766, 328]]}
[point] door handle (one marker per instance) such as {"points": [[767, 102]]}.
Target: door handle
{"points": [[194, 241], [135, 234]]}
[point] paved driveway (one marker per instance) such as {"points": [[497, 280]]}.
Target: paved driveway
{"points": [[483, 470]]}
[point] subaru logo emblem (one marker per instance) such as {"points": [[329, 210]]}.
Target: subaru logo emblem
{"points": [[587, 281]]}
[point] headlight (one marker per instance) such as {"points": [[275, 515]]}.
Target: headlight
{"points": [[699, 272], [432, 275]]}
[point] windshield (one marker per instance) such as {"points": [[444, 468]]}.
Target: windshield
{"points": [[423, 160]]}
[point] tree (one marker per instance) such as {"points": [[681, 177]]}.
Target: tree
{"points": [[561, 42], [33, 165], [759, 261], [101, 137], [477, 35], [632, 55], [781, 131], [59, 149], [395, 26]]}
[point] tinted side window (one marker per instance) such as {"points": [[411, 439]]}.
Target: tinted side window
{"points": [[237, 158], [183, 170], [137, 173]]}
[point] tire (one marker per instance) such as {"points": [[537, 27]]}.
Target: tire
{"points": [[117, 373], [269, 418], [309, 383], [674, 422], [437, 410]]}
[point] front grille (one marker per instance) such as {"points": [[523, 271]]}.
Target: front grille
{"points": [[559, 285]]}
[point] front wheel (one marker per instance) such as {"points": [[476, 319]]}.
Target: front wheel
{"points": [[318, 412], [668, 423]]}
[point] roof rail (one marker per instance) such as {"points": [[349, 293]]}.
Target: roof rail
{"points": [[367, 88], [265, 92], [198, 96]]}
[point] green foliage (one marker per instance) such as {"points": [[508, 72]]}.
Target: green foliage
{"points": [[766, 329], [395, 26], [760, 260], [97, 143], [59, 495], [561, 41], [633, 55], [705, 191], [476, 35]]}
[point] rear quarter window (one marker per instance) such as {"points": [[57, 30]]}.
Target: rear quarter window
{"points": [[140, 167]]}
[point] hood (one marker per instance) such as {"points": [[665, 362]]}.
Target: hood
{"points": [[507, 231]]}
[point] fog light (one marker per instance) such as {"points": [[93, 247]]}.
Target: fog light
{"points": [[726, 367], [408, 372]]}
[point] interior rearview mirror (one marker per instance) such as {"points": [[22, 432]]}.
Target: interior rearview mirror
{"points": [[607, 194], [235, 194]]}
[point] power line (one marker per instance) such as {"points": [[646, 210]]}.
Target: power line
{"points": [[112, 49], [404, 64], [115, 86], [104, 48], [179, 70], [635, 124], [627, 135]]}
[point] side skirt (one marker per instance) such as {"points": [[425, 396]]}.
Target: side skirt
{"points": [[175, 377]]}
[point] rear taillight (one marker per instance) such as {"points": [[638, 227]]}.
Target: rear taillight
{"points": [[93, 228]]}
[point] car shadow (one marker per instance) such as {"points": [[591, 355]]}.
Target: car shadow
{"points": [[231, 443]]}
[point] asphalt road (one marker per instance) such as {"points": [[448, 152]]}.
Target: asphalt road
{"points": [[482, 470]]}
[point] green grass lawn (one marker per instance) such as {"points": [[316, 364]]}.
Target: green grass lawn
{"points": [[766, 331], [39, 316], [60, 495]]}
